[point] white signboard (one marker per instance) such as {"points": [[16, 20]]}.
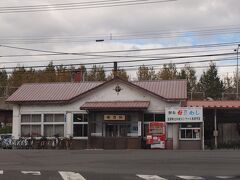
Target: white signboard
{"points": [[183, 114], [139, 128]]}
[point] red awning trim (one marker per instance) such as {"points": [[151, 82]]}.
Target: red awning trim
{"points": [[215, 104], [115, 105]]}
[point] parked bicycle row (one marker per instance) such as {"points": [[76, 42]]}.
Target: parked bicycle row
{"points": [[32, 143]]}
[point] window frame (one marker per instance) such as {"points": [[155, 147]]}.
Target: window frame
{"points": [[42, 123], [80, 123], [53, 123], [30, 123], [192, 130]]}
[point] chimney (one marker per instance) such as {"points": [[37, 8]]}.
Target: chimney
{"points": [[115, 69], [77, 76]]}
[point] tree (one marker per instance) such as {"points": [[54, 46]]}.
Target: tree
{"points": [[3, 82], [50, 73], [96, 74], [146, 73], [121, 73], [189, 74], [210, 83], [63, 74], [168, 71], [229, 88], [18, 77]]}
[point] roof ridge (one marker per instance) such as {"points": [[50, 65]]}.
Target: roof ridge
{"points": [[63, 82], [159, 80]]}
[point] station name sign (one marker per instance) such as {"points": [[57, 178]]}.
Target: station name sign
{"points": [[183, 114], [112, 117]]}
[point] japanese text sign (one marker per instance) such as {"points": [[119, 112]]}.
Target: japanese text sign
{"points": [[183, 114]]}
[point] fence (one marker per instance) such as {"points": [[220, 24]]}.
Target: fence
{"points": [[202, 96]]}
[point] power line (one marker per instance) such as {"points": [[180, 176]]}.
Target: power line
{"points": [[93, 53], [83, 5], [117, 56], [133, 36], [127, 68], [162, 32], [141, 60]]}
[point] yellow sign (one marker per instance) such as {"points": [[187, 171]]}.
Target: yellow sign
{"points": [[113, 117]]}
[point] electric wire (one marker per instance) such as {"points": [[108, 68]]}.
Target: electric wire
{"points": [[72, 6], [93, 53]]}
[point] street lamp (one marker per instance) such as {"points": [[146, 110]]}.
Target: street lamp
{"points": [[237, 50]]}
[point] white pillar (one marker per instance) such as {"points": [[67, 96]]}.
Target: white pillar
{"points": [[69, 124], [175, 136], [16, 125], [203, 147]]}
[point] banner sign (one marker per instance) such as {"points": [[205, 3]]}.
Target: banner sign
{"points": [[183, 114]]}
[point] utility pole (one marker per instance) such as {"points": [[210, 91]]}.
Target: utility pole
{"points": [[237, 50]]}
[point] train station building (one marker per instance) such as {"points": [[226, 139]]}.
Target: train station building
{"points": [[115, 114]]}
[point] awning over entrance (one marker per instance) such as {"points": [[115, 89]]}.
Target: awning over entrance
{"points": [[103, 105], [214, 104]]}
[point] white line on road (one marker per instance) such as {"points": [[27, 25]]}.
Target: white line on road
{"points": [[1, 171], [190, 177], [150, 177], [224, 177], [67, 175], [35, 173]]}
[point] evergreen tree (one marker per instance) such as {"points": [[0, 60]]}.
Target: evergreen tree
{"points": [[210, 83], [189, 74]]}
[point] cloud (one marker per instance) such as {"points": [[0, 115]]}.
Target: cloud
{"points": [[110, 23]]}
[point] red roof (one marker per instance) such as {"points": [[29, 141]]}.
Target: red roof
{"points": [[50, 91], [115, 105], [63, 92], [214, 104], [169, 89]]}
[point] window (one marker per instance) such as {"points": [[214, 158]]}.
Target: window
{"points": [[189, 131], [154, 117], [53, 125], [31, 125], [80, 125]]}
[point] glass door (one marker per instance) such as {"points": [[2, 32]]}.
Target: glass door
{"points": [[117, 130], [111, 130]]}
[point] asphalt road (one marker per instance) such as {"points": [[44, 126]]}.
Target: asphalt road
{"points": [[119, 164]]}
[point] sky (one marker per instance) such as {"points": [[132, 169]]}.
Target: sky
{"points": [[158, 26]]}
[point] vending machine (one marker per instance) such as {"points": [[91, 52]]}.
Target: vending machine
{"points": [[156, 136]]}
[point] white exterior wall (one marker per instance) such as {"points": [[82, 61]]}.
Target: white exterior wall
{"points": [[16, 121], [104, 93]]}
